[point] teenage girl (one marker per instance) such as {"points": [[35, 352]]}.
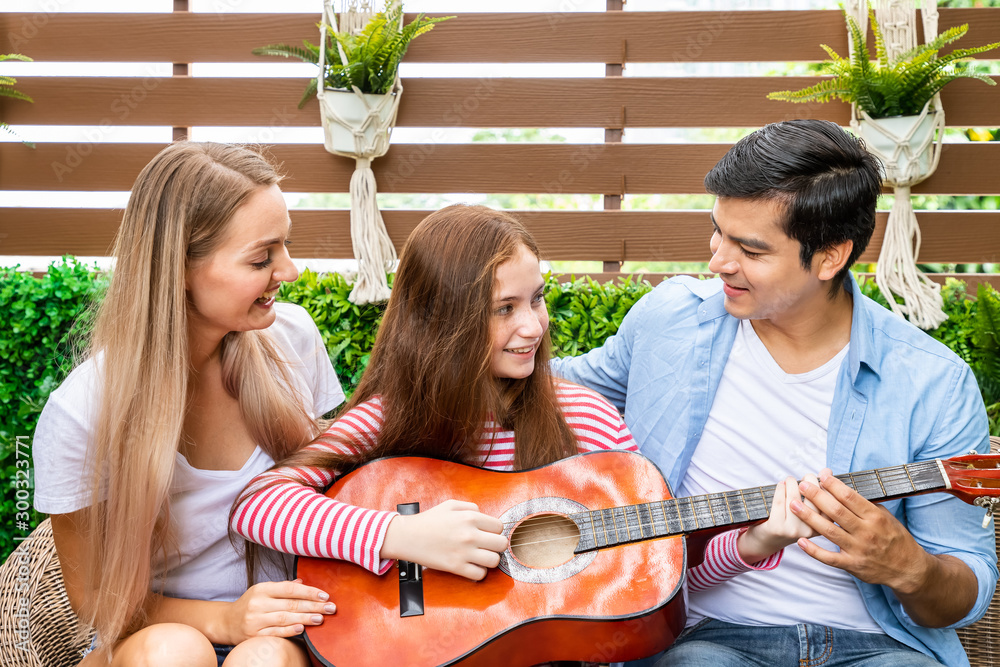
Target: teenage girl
{"points": [[459, 371]]}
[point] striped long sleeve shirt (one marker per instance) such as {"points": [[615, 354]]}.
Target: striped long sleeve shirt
{"points": [[293, 517]]}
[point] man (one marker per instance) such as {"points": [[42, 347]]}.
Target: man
{"points": [[781, 367]]}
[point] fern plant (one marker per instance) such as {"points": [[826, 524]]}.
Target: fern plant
{"points": [[896, 87], [7, 90], [986, 339], [372, 56]]}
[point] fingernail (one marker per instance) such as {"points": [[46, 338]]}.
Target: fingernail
{"points": [[330, 609], [298, 629], [324, 596], [796, 506], [316, 618]]}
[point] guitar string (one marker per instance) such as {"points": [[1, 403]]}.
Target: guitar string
{"points": [[889, 477]]}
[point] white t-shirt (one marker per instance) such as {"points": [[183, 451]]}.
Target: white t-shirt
{"points": [[764, 425], [209, 568]]}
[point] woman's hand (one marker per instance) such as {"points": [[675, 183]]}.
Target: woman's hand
{"points": [[453, 536], [782, 526], [275, 609]]}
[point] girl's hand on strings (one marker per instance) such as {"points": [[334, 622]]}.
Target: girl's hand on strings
{"points": [[453, 537], [782, 526]]}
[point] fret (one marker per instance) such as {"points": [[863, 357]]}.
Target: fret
{"points": [[680, 519], [657, 532], [756, 504], [878, 478], [697, 524], [597, 533], [604, 524], [867, 484], [638, 520], [681, 525], [853, 482], [718, 507], [898, 481], [647, 518], [734, 503], [628, 532], [928, 475], [743, 500], [764, 501]]}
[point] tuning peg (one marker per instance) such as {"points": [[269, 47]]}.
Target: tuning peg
{"points": [[990, 505]]}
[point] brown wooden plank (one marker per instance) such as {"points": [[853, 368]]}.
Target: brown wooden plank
{"points": [[613, 102], [545, 168], [948, 236], [613, 37], [968, 168]]}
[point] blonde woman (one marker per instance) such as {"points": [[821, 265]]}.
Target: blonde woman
{"points": [[196, 381]]}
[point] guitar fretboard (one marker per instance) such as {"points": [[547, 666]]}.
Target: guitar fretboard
{"points": [[664, 518]]}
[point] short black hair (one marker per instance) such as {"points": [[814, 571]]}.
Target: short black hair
{"points": [[826, 180]]}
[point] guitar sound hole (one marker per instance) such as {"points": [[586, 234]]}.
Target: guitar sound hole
{"points": [[544, 540]]}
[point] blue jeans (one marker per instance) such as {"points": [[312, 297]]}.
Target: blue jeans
{"points": [[713, 643]]}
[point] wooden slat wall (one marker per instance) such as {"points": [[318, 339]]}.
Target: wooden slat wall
{"points": [[615, 235], [600, 169]]}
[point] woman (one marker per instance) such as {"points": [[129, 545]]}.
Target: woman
{"points": [[196, 381]]}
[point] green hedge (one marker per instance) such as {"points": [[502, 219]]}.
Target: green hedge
{"points": [[47, 316]]}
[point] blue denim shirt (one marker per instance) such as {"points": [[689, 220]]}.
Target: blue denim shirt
{"points": [[901, 397]]}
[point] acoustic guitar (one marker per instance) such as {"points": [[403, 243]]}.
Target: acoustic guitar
{"points": [[593, 572]]}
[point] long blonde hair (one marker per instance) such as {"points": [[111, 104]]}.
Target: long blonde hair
{"points": [[178, 212]]}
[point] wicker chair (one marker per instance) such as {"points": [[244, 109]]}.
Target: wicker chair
{"points": [[55, 642], [982, 639], [37, 625]]}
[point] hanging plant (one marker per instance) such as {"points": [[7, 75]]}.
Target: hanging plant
{"points": [[900, 86], [896, 109], [372, 56], [7, 90], [359, 90]]}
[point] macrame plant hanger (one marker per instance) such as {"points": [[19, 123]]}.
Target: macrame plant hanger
{"points": [[906, 164], [370, 130]]}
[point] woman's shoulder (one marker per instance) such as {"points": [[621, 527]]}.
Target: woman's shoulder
{"points": [[81, 389], [292, 320], [294, 331]]}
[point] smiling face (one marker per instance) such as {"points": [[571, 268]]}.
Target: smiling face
{"points": [[233, 288], [761, 265], [519, 316]]}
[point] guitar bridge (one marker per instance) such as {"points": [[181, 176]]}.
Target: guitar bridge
{"points": [[411, 583]]}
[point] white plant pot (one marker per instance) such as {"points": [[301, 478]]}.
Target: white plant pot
{"points": [[883, 137], [347, 106]]}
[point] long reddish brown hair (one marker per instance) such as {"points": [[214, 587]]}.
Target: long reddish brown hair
{"points": [[431, 360]]}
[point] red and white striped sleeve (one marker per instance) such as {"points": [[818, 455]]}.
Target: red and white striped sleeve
{"points": [[284, 511], [723, 562], [596, 423]]}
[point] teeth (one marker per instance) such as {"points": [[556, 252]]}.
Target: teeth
{"points": [[521, 350], [267, 296]]}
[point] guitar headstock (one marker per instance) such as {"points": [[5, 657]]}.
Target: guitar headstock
{"points": [[973, 476]]}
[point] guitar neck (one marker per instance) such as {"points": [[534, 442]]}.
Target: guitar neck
{"points": [[680, 516]]}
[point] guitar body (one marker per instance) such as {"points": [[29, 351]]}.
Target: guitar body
{"points": [[608, 605]]}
